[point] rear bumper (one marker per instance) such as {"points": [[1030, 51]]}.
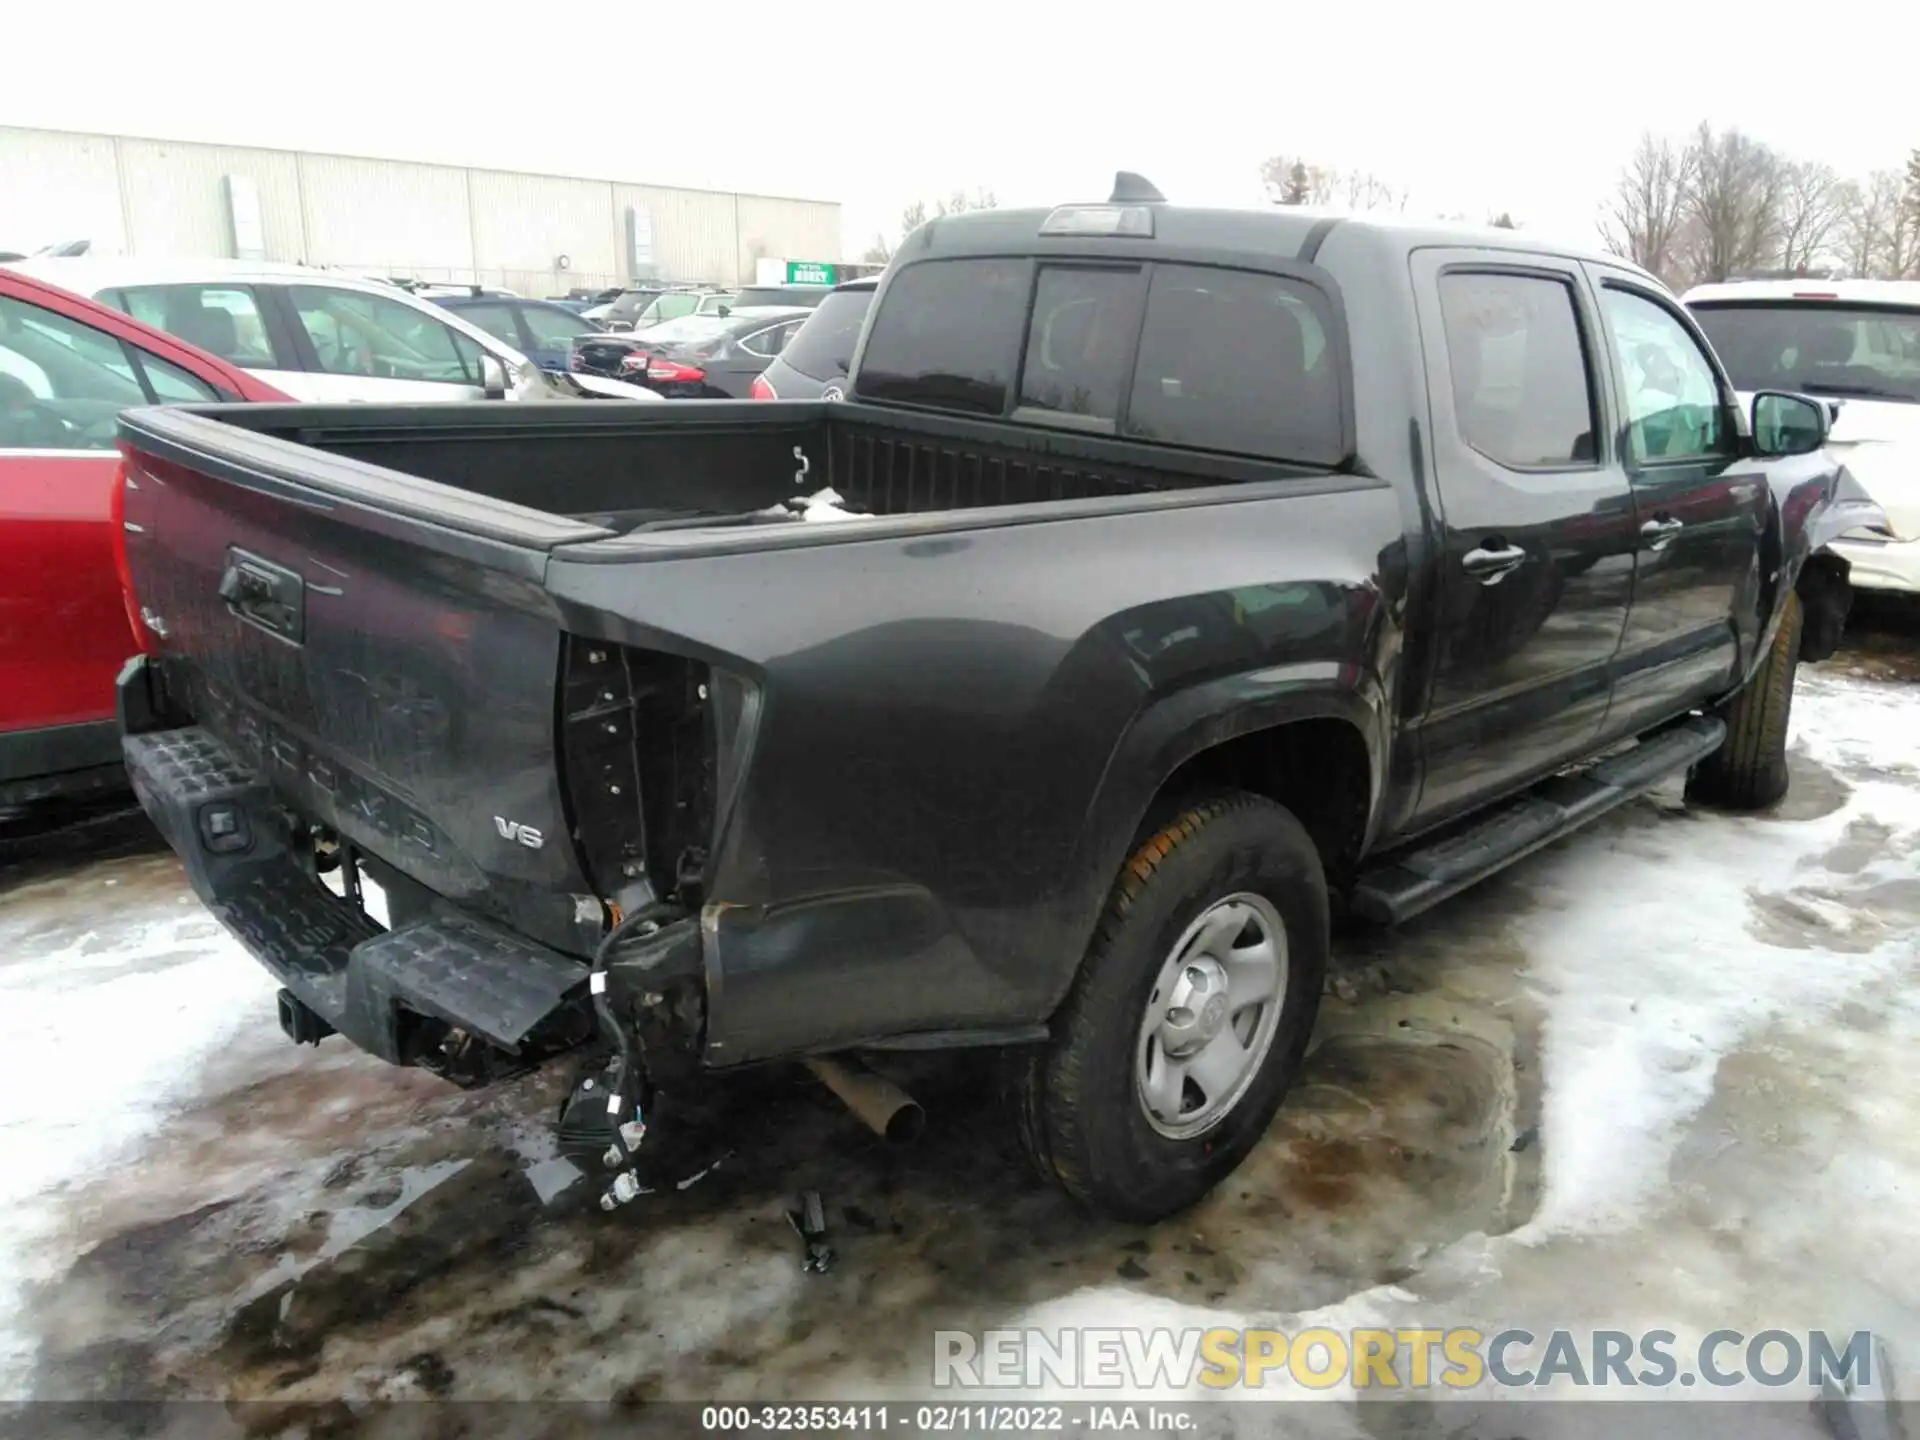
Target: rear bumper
{"points": [[403, 994]]}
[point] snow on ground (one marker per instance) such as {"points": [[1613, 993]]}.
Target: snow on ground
{"points": [[1730, 1041], [103, 1025], [1662, 1075]]}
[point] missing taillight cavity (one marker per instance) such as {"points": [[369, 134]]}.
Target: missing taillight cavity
{"points": [[639, 770]]}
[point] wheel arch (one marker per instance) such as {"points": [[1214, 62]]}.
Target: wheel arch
{"points": [[1252, 732]]}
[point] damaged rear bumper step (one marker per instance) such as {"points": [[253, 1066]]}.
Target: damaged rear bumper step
{"points": [[336, 962]]}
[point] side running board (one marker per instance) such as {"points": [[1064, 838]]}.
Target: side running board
{"points": [[1399, 886]]}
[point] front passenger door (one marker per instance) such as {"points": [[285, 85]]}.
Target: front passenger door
{"points": [[1699, 510]]}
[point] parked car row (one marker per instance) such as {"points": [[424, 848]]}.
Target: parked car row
{"points": [[696, 356], [317, 335]]}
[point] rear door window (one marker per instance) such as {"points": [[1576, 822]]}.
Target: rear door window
{"points": [[823, 348], [1238, 361], [1521, 390], [1079, 341], [494, 317], [948, 335], [223, 320], [769, 342]]}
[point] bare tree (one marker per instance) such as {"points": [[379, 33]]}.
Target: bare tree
{"points": [[1856, 235], [1908, 220], [1878, 234], [1810, 206], [1363, 190], [1504, 221], [916, 214], [879, 252], [1900, 252], [960, 202], [1649, 205], [1290, 180], [1732, 222]]}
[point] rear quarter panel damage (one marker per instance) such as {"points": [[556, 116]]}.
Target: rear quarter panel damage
{"points": [[959, 733]]}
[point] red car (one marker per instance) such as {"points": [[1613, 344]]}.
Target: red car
{"points": [[68, 367]]}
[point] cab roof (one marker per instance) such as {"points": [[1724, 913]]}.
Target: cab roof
{"points": [[1279, 233]]}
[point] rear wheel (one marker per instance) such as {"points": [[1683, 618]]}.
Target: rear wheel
{"points": [[1190, 1015], [1749, 770]]}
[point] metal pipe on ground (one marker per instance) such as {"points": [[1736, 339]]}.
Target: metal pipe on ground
{"points": [[882, 1106]]}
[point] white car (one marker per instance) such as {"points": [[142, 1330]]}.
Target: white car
{"points": [[1856, 342], [319, 335]]}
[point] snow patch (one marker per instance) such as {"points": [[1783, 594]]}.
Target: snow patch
{"points": [[83, 1081]]}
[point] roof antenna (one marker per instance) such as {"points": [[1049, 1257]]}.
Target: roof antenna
{"points": [[1132, 189]]}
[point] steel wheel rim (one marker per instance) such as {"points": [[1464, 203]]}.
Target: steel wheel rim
{"points": [[1211, 1016]]}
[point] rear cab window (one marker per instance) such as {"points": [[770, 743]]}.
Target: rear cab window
{"points": [[1870, 352], [1197, 356]]}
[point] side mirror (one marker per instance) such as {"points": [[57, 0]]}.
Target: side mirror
{"points": [[493, 378], [1785, 424]]}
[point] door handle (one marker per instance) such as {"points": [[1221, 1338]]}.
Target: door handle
{"points": [[1491, 566], [1659, 531]]}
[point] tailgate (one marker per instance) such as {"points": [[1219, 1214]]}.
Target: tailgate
{"points": [[378, 647]]}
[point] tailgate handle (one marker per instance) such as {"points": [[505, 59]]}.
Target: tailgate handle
{"points": [[271, 596]]}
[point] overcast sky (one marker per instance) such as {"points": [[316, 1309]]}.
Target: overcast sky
{"points": [[1474, 107]]}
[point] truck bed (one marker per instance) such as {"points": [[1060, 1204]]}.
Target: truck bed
{"points": [[674, 465]]}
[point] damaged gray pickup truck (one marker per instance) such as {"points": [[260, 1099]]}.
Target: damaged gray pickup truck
{"points": [[1189, 579]]}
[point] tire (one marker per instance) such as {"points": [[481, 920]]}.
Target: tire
{"points": [[1081, 1100], [1749, 770]]}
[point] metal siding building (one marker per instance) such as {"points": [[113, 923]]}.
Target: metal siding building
{"points": [[401, 217]]}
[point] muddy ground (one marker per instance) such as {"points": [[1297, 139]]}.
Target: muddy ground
{"points": [[1665, 1073]]}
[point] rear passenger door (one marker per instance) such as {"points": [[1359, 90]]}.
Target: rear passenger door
{"points": [[1538, 532], [1700, 508]]}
